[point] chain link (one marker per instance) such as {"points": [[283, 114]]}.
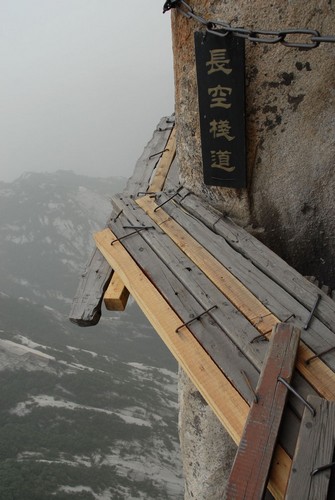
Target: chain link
{"points": [[287, 37]]}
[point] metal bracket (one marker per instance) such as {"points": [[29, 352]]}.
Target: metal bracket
{"points": [[130, 234], [159, 153], [146, 192], [303, 400], [259, 337], [170, 4], [169, 199], [196, 317], [117, 216], [311, 314], [312, 358], [322, 468], [138, 227]]}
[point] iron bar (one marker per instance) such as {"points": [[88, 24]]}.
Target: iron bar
{"points": [[319, 355], [303, 400], [195, 318], [311, 314]]}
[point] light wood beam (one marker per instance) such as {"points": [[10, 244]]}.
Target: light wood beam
{"points": [[116, 295], [163, 166]]}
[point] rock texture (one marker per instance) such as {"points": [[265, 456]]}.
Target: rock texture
{"points": [[207, 450], [290, 108], [290, 104]]}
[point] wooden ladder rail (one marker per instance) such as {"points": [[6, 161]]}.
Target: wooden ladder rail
{"points": [[249, 475]]}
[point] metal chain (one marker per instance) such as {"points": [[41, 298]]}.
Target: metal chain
{"points": [[286, 37]]}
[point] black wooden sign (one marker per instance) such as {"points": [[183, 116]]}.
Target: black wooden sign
{"points": [[221, 90]]}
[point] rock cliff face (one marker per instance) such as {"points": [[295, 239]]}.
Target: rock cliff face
{"points": [[290, 104], [207, 449]]}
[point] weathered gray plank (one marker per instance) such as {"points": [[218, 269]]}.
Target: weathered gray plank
{"points": [[209, 333], [172, 179], [251, 468], [315, 448], [145, 165], [86, 305], [262, 257], [240, 331], [277, 299]]}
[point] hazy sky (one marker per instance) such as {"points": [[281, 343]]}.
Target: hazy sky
{"points": [[83, 83]]}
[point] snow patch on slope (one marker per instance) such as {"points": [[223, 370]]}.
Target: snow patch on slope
{"points": [[25, 407]]}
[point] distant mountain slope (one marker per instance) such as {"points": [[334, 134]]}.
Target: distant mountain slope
{"points": [[86, 413], [46, 227]]}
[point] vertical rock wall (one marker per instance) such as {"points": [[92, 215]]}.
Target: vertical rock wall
{"points": [[290, 106], [207, 449]]}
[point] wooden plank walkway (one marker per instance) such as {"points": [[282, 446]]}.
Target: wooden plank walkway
{"points": [[213, 293], [182, 274], [224, 399], [317, 373]]}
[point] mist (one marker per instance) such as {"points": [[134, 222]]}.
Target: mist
{"points": [[83, 84]]}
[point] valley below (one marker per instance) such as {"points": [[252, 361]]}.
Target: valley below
{"points": [[86, 413]]}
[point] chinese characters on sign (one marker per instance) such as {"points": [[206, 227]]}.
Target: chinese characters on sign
{"points": [[220, 75]]}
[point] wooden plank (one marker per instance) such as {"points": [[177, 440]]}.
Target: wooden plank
{"points": [[250, 471], [139, 181], [318, 337], [189, 353], [261, 256], [226, 402], [146, 164], [254, 310], [172, 182], [182, 286], [317, 373], [116, 295], [315, 448], [86, 305], [164, 164], [184, 283]]}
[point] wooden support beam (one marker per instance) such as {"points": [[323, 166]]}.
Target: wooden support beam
{"points": [[116, 295], [318, 374], [250, 471], [315, 448], [86, 305], [163, 166], [226, 402]]}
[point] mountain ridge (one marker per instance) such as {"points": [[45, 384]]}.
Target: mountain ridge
{"points": [[86, 413]]}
